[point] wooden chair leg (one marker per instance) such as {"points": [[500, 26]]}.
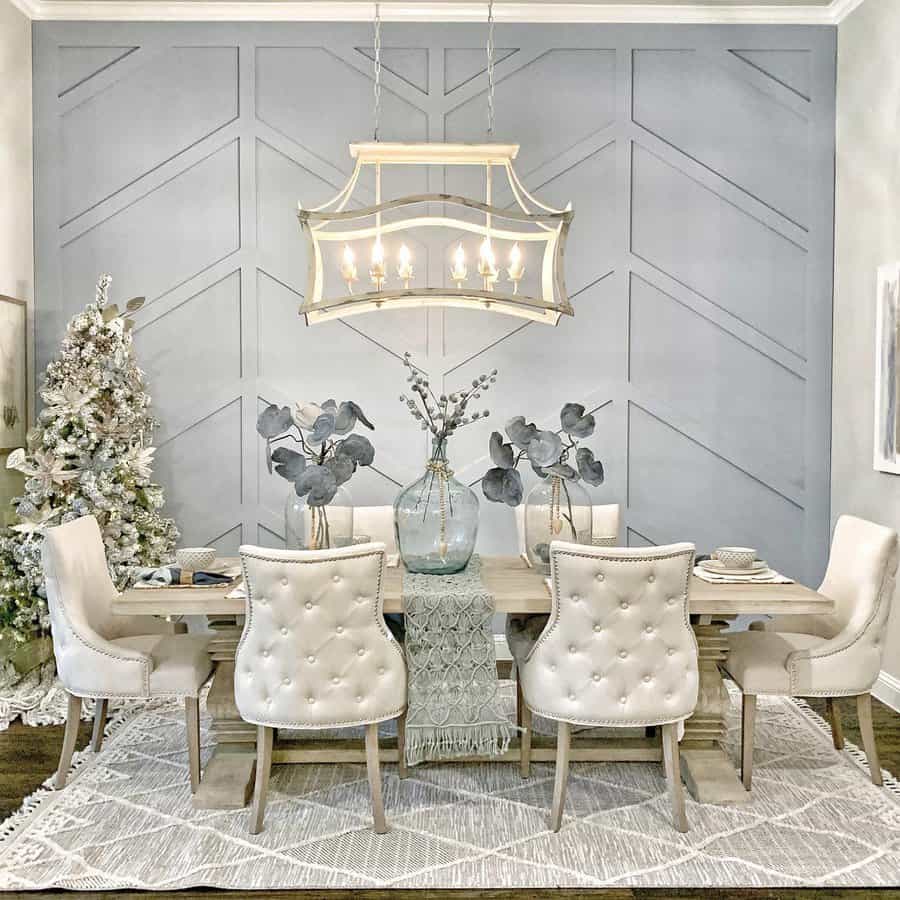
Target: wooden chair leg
{"points": [[834, 718], [748, 719], [192, 721], [520, 700], [867, 730], [665, 756], [264, 737], [374, 771], [401, 746], [562, 775], [100, 707], [672, 760], [525, 742], [73, 719]]}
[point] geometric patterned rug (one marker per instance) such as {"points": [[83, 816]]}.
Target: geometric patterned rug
{"points": [[126, 821]]}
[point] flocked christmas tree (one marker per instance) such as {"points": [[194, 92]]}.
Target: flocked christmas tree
{"points": [[89, 453]]}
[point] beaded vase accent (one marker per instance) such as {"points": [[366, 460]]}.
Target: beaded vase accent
{"points": [[436, 518], [556, 509]]}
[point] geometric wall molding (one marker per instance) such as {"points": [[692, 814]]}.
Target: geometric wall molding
{"points": [[78, 64], [788, 67], [699, 161]]}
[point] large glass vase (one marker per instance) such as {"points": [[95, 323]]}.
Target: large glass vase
{"points": [[556, 509], [436, 519], [318, 527]]}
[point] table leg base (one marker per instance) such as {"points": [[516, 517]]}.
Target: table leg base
{"points": [[710, 776], [227, 781]]}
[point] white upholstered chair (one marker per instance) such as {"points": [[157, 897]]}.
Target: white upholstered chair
{"points": [[315, 653], [376, 523], [524, 630], [101, 655], [617, 651], [833, 655]]}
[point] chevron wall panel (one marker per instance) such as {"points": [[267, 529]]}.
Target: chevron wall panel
{"points": [[700, 163]]}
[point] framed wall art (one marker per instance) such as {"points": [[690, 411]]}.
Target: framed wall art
{"points": [[13, 373]]}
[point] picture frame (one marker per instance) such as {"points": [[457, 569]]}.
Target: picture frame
{"points": [[13, 373]]}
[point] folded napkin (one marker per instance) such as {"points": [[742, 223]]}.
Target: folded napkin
{"points": [[166, 576], [767, 576], [239, 593]]}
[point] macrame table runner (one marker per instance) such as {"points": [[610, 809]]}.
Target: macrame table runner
{"points": [[454, 707]]}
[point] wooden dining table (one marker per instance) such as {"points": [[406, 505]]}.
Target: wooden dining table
{"points": [[709, 772]]}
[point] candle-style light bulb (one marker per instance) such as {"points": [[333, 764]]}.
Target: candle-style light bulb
{"points": [[376, 272], [516, 267], [487, 264], [404, 265], [459, 271], [348, 267]]}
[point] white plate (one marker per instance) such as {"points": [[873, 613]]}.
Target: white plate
{"points": [[714, 566]]}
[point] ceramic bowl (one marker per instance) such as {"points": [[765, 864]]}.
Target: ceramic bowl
{"points": [[736, 557], [195, 559]]}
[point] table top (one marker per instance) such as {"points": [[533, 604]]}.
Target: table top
{"points": [[516, 589]]}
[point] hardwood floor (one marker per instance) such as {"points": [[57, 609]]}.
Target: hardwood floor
{"points": [[29, 755]]}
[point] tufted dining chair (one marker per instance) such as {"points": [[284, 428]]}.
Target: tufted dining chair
{"points": [[618, 651], [376, 523], [524, 630], [315, 653], [830, 656], [101, 655]]}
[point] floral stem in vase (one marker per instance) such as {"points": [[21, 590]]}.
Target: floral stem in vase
{"points": [[570, 518]]}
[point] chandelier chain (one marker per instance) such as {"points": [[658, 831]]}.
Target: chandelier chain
{"points": [[377, 88], [490, 67]]}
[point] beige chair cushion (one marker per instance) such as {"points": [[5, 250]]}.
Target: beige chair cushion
{"points": [[618, 649], [378, 523], [180, 662], [315, 651], [824, 626], [842, 650], [758, 660]]}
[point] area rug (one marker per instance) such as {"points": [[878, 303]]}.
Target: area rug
{"points": [[126, 821]]}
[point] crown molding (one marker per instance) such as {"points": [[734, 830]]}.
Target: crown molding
{"points": [[28, 7], [537, 11]]}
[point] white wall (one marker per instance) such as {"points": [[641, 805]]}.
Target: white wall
{"points": [[867, 233], [16, 230], [16, 257]]}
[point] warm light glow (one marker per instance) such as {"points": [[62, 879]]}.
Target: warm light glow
{"points": [[404, 267], [516, 267], [487, 253], [376, 272], [378, 253], [459, 271], [348, 267], [487, 264]]}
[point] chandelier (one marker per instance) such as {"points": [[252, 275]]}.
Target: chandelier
{"points": [[435, 249]]}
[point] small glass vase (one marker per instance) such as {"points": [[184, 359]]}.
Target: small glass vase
{"points": [[436, 519], [318, 527], [556, 509]]}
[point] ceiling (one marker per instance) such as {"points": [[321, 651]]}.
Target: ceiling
{"points": [[800, 12]]}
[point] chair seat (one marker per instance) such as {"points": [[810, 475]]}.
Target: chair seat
{"points": [[522, 633], [181, 663], [757, 660]]}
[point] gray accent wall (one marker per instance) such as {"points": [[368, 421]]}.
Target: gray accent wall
{"points": [[700, 161]]}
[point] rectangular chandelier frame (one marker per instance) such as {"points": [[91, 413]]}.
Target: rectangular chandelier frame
{"points": [[530, 222]]}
